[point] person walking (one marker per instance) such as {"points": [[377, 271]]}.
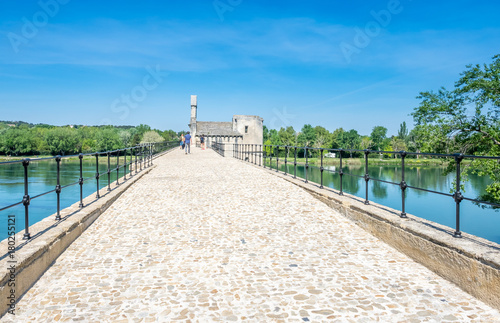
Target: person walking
{"points": [[187, 142], [202, 140], [182, 141]]}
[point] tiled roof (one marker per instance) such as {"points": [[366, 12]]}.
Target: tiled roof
{"points": [[208, 128]]}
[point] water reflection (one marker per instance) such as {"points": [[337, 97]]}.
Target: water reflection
{"points": [[433, 207], [43, 178]]}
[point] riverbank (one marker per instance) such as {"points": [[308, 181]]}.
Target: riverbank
{"points": [[371, 161], [15, 158], [72, 157]]}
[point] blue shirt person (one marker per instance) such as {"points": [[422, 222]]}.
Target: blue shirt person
{"points": [[187, 141]]}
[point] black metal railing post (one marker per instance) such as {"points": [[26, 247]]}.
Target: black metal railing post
{"points": [[295, 163], [458, 197], [307, 165], [254, 148], [97, 173], [341, 173], [80, 180], [321, 169], [253, 154], [286, 153], [367, 176], [117, 167], [135, 153], [150, 157], [26, 200], [124, 164], [403, 185], [277, 158], [109, 171], [260, 155], [141, 148], [264, 155], [58, 187]]}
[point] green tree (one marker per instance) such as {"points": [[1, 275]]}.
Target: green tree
{"points": [[468, 116], [63, 141], [108, 139], [169, 135], [287, 137], [366, 142], [323, 138], [403, 131], [265, 134], [274, 137], [151, 137], [126, 136], [142, 129], [337, 138], [378, 135], [351, 140], [306, 137], [269, 149], [397, 144]]}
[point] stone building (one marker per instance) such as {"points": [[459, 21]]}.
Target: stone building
{"points": [[243, 129]]}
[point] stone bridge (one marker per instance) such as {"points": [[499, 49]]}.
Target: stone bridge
{"points": [[205, 238]]}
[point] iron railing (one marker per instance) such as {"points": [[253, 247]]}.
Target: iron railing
{"points": [[143, 154], [219, 148], [254, 153]]}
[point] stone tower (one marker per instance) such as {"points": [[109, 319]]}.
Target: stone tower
{"points": [[192, 125]]}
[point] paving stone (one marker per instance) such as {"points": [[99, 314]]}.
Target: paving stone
{"points": [[203, 238]]}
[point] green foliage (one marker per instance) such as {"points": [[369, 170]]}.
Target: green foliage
{"points": [[366, 142], [265, 134], [337, 138], [151, 137], [287, 136], [169, 135], [108, 139], [306, 137], [268, 150], [378, 135], [63, 141], [351, 140], [403, 132], [466, 120], [21, 138], [397, 144]]}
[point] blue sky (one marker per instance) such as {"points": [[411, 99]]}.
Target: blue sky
{"points": [[352, 64]]}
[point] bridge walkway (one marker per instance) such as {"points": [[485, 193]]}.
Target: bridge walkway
{"points": [[206, 238]]}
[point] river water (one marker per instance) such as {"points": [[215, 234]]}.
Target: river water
{"points": [[43, 178], [482, 222]]}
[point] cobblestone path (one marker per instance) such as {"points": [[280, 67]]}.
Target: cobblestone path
{"points": [[205, 238]]}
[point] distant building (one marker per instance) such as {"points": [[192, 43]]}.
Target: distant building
{"points": [[243, 129], [11, 124]]}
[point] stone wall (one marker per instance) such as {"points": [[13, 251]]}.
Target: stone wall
{"points": [[254, 133]]}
